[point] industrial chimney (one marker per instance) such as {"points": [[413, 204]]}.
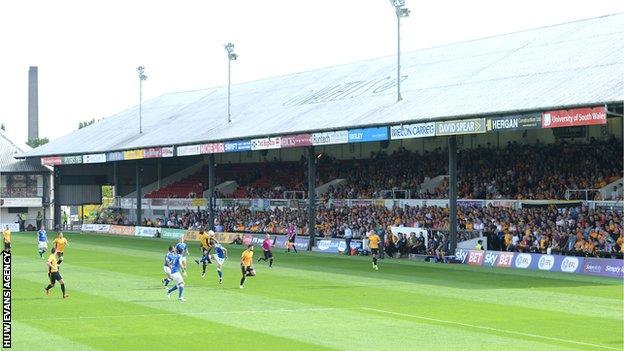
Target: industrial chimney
{"points": [[33, 103]]}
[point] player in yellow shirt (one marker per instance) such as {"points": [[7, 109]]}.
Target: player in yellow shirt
{"points": [[206, 243], [59, 244], [373, 243], [54, 274], [6, 237], [246, 267]]}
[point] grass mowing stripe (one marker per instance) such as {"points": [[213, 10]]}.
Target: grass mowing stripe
{"points": [[26, 337], [285, 310], [490, 328]]}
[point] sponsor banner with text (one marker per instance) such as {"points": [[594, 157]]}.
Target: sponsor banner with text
{"points": [[172, 233], [335, 245], [418, 130], [296, 140], [148, 232], [97, 228], [575, 117], [329, 138], [51, 161], [94, 158], [368, 134], [114, 156], [121, 230], [154, 152], [236, 146], [72, 160], [212, 148], [167, 151], [463, 126], [266, 143], [188, 150], [21, 202], [605, 267], [133, 154], [514, 122]]}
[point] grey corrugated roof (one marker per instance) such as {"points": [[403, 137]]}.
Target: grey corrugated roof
{"points": [[577, 63], [8, 164]]}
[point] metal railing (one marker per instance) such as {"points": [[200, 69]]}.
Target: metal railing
{"points": [[395, 194], [584, 194], [294, 194]]}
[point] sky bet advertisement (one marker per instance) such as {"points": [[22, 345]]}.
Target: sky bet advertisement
{"points": [[605, 267]]}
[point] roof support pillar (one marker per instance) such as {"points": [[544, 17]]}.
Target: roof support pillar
{"points": [[311, 196], [115, 179], [452, 149], [212, 201], [139, 195], [55, 198]]}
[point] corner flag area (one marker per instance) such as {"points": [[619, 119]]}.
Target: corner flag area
{"points": [[307, 301]]}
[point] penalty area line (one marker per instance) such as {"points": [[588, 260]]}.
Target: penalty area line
{"points": [[164, 314], [490, 328]]}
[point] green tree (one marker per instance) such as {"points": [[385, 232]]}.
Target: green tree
{"points": [[107, 191], [36, 142], [86, 123]]}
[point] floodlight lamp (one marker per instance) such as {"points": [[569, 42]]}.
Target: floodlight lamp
{"points": [[142, 76], [232, 56], [397, 3], [140, 69], [229, 47], [403, 12]]}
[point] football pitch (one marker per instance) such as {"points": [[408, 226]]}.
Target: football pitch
{"points": [[308, 301]]}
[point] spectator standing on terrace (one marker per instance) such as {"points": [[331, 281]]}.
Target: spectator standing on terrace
{"points": [[39, 219], [348, 236]]}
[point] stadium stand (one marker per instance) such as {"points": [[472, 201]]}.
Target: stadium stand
{"points": [[517, 171]]}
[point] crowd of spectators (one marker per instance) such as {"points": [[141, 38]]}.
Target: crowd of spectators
{"points": [[516, 171], [575, 231]]}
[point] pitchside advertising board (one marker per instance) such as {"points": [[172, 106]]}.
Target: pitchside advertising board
{"points": [[13, 227], [96, 228], [147, 232], [170, 233], [335, 245], [543, 262]]}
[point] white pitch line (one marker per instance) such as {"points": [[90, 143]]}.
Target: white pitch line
{"points": [[184, 314], [490, 329]]}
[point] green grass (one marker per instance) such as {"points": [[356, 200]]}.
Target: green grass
{"points": [[307, 302]]}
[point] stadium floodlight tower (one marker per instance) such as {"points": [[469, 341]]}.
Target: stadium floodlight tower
{"points": [[401, 11], [142, 77], [232, 56]]}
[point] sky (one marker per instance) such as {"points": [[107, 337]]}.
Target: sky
{"points": [[87, 52]]}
